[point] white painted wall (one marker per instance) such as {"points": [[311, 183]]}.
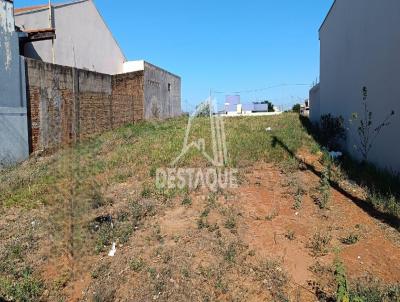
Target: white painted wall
{"points": [[360, 46], [132, 66], [83, 39], [14, 146]]}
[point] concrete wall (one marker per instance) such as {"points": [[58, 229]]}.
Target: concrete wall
{"points": [[131, 66], [13, 113], [315, 104], [83, 39], [360, 46], [14, 146], [10, 72], [162, 93], [68, 104]]}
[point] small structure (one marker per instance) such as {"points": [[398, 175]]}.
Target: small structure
{"points": [[231, 102], [305, 109], [161, 90], [234, 107]]}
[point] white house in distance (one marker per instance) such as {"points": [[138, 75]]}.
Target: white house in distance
{"points": [[360, 46]]}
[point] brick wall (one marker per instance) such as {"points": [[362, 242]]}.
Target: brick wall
{"points": [[128, 93], [68, 104]]}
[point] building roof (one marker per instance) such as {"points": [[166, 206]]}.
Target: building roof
{"points": [[327, 15], [35, 8], [38, 35], [29, 8]]}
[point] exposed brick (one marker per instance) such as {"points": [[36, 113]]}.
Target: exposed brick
{"points": [[69, 104]]}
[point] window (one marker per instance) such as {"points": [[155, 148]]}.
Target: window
{"points": [[169, 87]]}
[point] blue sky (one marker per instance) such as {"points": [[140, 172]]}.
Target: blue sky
{"points": [[225, 45]]}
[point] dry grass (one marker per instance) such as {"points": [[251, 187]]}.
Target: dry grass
{"points": [[69, 208]]}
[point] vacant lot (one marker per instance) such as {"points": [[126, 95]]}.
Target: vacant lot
{"points": [[299, 227]]}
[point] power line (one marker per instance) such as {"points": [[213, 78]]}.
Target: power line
{"points": [[260, 89]]}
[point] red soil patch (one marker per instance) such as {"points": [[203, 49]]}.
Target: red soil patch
{"points": [[265, 195]]}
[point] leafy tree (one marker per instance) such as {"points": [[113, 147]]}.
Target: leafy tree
{"points": [[296, 108]]}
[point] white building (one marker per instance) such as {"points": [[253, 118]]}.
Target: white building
{"points": [[360, 46]]}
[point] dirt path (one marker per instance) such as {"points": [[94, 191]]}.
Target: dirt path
{"points": [[376, 252]]}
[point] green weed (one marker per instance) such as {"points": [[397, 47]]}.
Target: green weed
{"points": [[350, 239], [137, 264], [319, 244]]}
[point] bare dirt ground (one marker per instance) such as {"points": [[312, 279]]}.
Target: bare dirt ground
{"points": [[256, 243]]}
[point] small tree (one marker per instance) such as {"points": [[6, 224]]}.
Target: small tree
{"points": [[296, 108], [203, 110], [366, 130]]}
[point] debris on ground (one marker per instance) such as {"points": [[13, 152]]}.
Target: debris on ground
{"points": [[335, 154], [113, 250]]}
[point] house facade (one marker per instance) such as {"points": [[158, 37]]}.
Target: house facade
{"points": [[360, 47]]}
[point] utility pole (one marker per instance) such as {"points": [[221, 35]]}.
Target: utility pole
{"points": [[51, 26]]}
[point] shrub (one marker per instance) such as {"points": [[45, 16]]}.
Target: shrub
{"points": [[367, 129], [319, 244], [230, 223], [324, 188], [230, 253], [369, 289], [26, 289], [137, 264], [187, 201], [331, 131], [350, 239], [298, 198], [204, 109], [274, 278], [290, 235], [386, 203]]}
